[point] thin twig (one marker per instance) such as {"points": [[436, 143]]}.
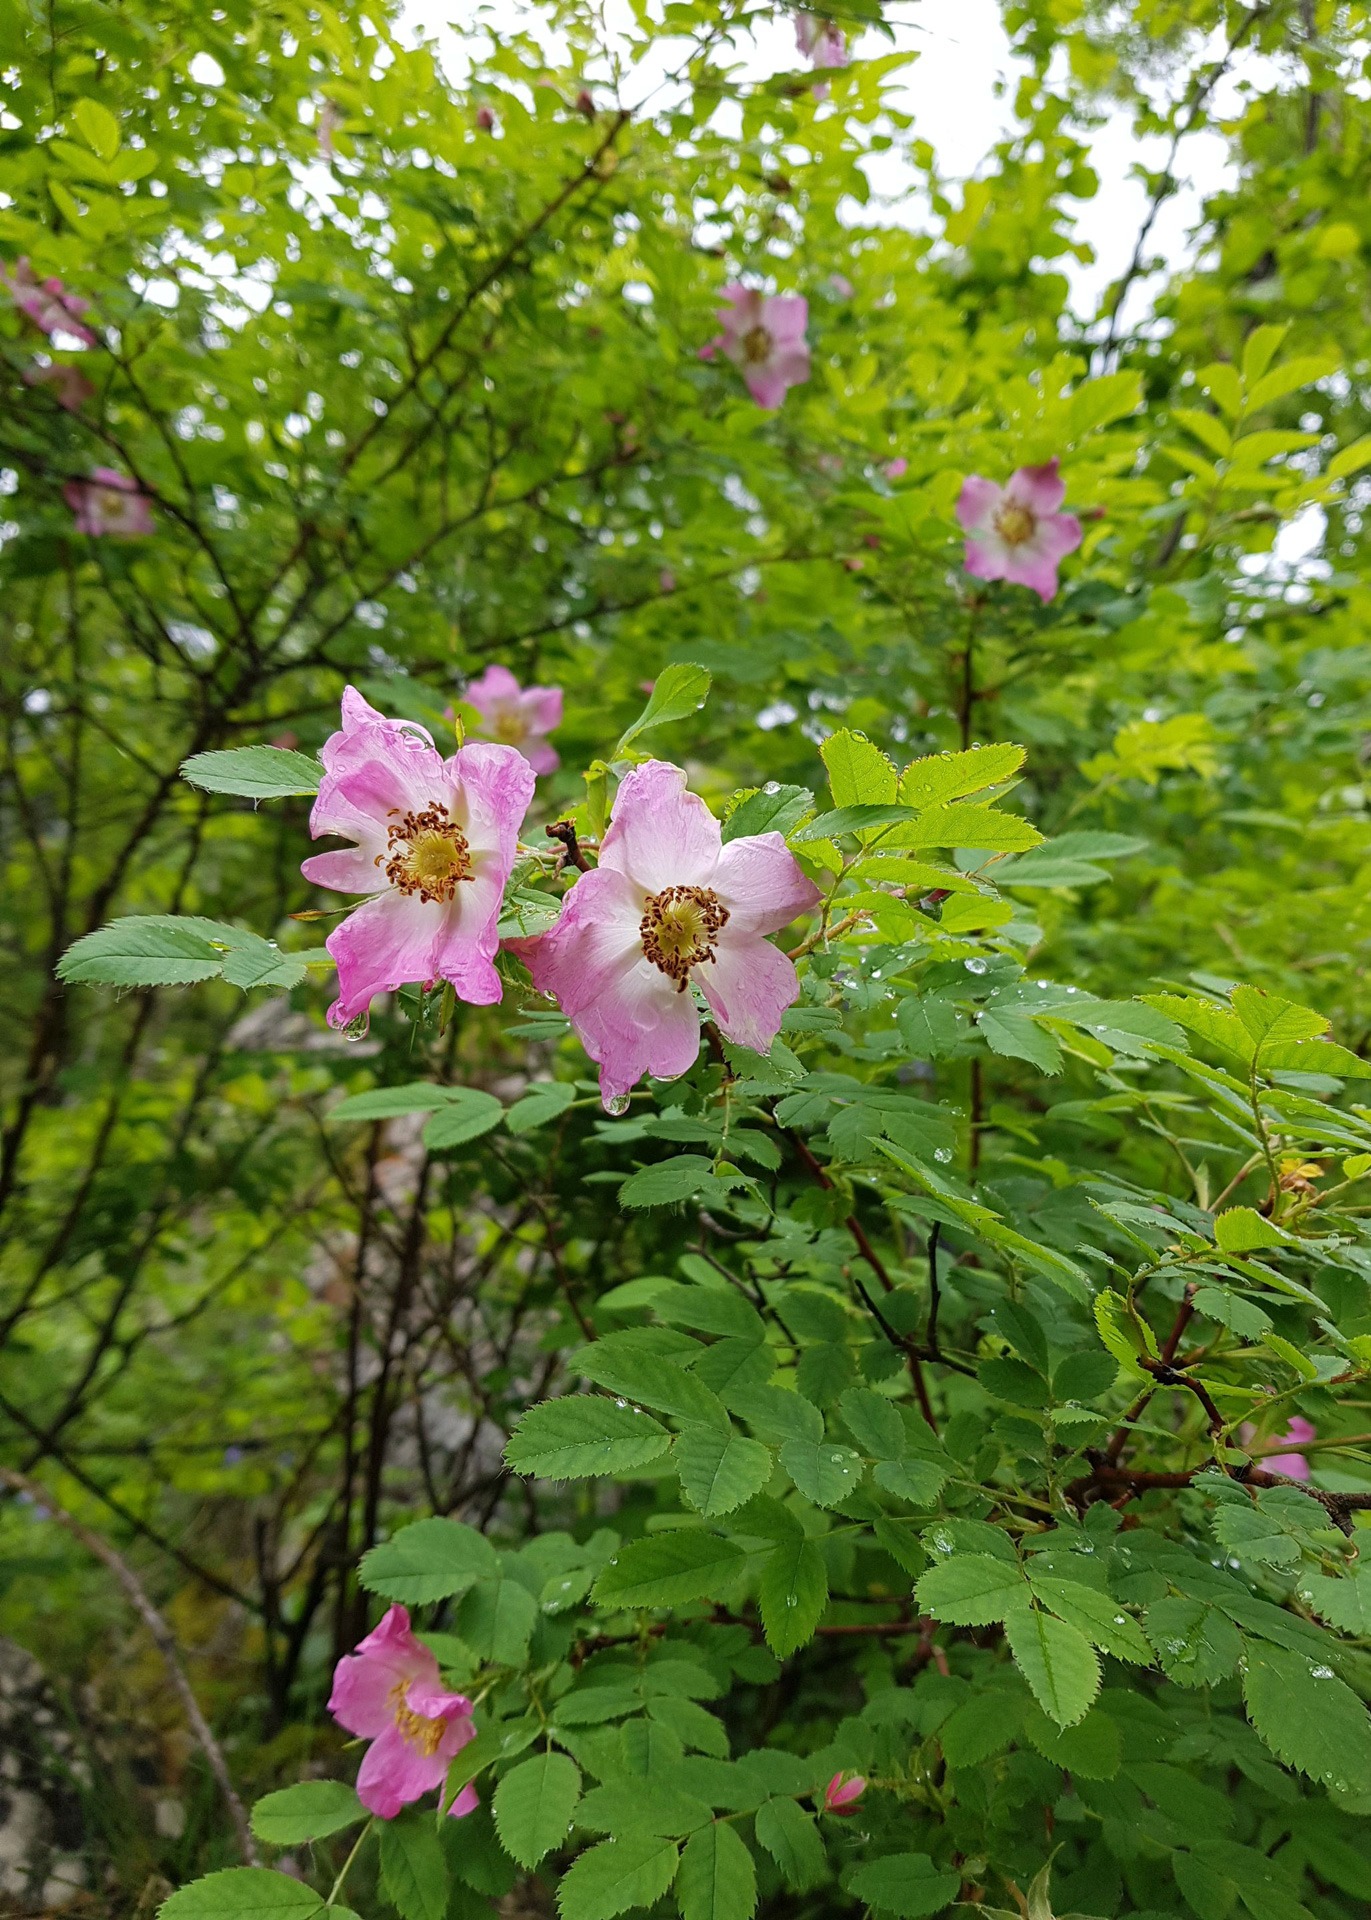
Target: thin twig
{"points": [[166, 1645]]}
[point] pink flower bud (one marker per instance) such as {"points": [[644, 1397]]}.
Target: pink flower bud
{"points": [[485, 119], [896, 469], [843, 1792]]}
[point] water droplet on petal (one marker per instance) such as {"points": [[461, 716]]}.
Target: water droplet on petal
{"points": [[617, 1105], [358, 1029]]}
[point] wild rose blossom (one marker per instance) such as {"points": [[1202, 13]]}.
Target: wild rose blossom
{"points": [[819, 40], [108, 502], [70, 387], [764, 336], [670, 907], [435, 843], [897, 468], [46, 302], [389, 1692], [843, 1791], [518, 716], [1016, 532], [1293, 1465]]}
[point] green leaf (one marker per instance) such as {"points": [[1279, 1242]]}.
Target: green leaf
{"points": [[1092, 1749], [717, 1879], [534, 1806], [1345, 1603], [950, 776], [255, 773], [1058, 1662], [792, 1594], [309, 1811], [1244, 1230], [142, 951], [428, 1560], [389, 1103], [1099, 1618], [972, 1590], [791, 1837], [824, 1473], [582, 1435], [964, 824], [680, 690], [668, 1569], [608, 1879], [642, 1806], [874, 1422], [465, 1115], [545, 1100], [1308, 1717], [907, 1884], [863, 818], [772, 809], [668, 1183], [719, 1469], [497, 1618], [97, 127], [1196, 1643], [858, 772], [651, 1365], [243, 1893], [413, 1866]]}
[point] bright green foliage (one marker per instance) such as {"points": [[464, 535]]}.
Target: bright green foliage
{"points": [[902, 1402]]}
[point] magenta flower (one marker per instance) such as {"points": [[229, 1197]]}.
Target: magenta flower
{"points": [[670, 907], [819, 40], [764, 335], [518, 716], [390, 1692], [897, 468], [843, 1791], [109, 503], [70, 387], [46, 302], [1293, 1465], [435, 843], [1015, 532]]}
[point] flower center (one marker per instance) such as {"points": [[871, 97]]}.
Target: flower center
{"points": [[416, 1728], [678, 929], [428, 854], [509, 726], [1014, 524], [756, 345]]}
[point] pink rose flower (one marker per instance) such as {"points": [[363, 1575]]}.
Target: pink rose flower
{"points": [[670, 907], [70, 387], [764, 335], [842, 1792], [109, 503], [46, 302], [435, 843], [897, 468], [819, 40], [389, 1692], [1015, 532], [1293, 1465], [518, 716]]}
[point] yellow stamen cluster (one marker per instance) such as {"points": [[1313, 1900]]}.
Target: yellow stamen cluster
{"points": [[756, 344], [678, 929], [1015, 524], [427, 854]]}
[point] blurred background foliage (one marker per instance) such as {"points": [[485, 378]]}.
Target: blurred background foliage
{"points": [[408, 364]]}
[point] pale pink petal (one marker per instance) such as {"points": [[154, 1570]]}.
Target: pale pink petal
{"points": [[347, 869], [661, 836], [749, 984], [593, 946], [1034, 563], [987, 558], [976, 506], [363, 1696], [382, 771], [392, 1640], [357, 711], [543, 705], [495, 785], [1293, 1465], [393, 1773], [390, 941], [467, 943], [1040, 489], [541, 757], [785, 317], [644, 1027], [762, 884], [466, 1802], [495, 684]]}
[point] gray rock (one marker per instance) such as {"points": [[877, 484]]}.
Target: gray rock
{"points": [[43, 1773]]}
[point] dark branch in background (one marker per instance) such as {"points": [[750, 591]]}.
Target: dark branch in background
{"points": [[161, 1634]]}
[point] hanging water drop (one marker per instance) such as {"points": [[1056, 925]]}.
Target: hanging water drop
{"points": [[617, 1105]]}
